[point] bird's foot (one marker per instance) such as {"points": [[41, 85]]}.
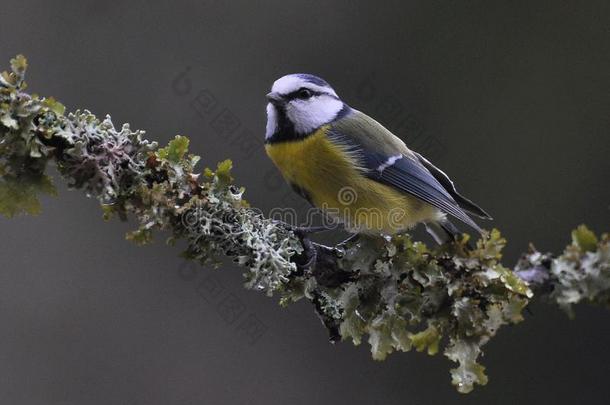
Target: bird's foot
{"points": [[311, 255], [303, 230], [307, 259], [307, 230], [340, 248], [352, 238]]}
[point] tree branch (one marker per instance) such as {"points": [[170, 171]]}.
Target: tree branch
{"points": [[398, 293]]}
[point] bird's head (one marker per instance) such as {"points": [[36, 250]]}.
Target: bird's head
{"points": [[299, 104]]}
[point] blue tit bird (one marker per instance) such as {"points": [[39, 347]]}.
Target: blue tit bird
{"points": [[353, 168]]}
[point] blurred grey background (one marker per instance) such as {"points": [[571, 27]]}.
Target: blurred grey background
{"points": [[511, 98]]}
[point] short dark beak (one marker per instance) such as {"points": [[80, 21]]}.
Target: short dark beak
{"points": [[275, 98]]}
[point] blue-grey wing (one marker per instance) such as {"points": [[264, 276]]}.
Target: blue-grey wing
{"points": [[464, 203], [410, 176], [384, 158]]}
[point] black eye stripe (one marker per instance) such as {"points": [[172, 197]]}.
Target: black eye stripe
{"points": [[295, 94]]}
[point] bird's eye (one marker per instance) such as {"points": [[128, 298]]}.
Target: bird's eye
{"points": [[304, 93]]}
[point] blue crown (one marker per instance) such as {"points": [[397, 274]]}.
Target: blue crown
{"points": [[313, 79]]}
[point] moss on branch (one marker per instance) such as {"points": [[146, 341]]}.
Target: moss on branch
{"points": [[398, 294]]}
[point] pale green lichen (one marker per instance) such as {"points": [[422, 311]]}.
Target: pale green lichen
{"points": [[582, 272], [409, 296], [397, 294], [24, 121]]}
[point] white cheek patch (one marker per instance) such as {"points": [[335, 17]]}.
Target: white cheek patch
{"points": [[271, 121], [310, 114]]}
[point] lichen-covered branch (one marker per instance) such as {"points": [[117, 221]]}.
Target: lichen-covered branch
{"points": [[398, 294]]}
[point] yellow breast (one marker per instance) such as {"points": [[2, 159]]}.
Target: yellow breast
{"points": [[332, 178]]}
